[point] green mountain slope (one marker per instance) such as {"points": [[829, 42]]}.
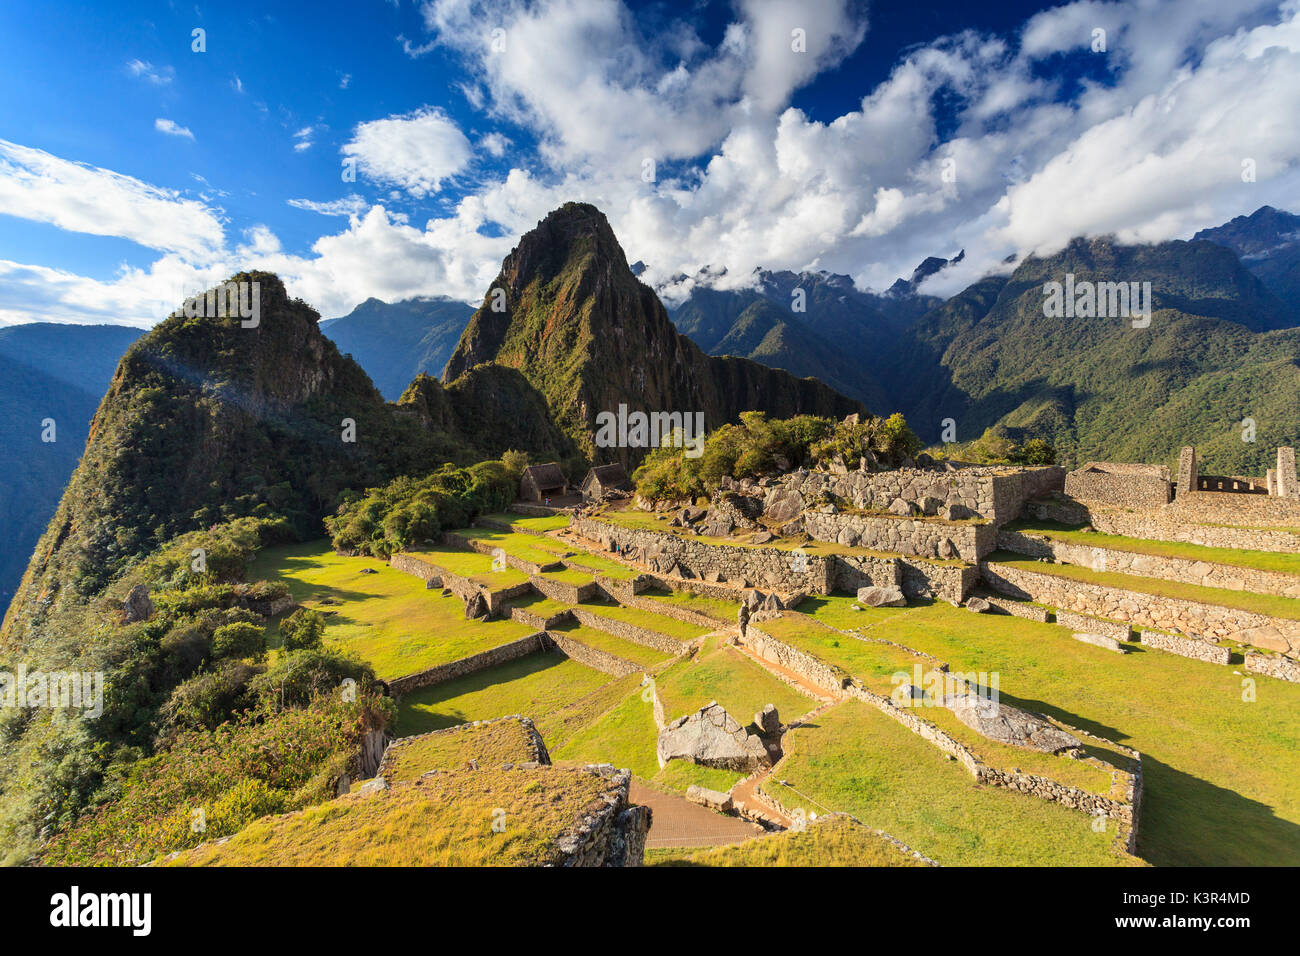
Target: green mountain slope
{"points": [[589, 336]]}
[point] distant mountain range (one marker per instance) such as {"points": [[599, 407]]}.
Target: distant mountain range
{"points": [[396, 341], [47, 371]]}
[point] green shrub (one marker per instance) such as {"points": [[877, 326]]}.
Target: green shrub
{"points": [[239, 640], [303, 629]]}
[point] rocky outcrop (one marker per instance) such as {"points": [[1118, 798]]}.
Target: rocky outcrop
{"points": [[1009, 725], [712, 738], [138, 606]]}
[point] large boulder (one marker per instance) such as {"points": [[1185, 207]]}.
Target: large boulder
{"points": [[138, 606], [782, 505], [711, 737], [1009, 725], [881, 597], [768, 722]]}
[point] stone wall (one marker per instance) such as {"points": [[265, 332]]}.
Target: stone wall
{"points": [[593, 657], [1167, 525], [1281, 668], [1186, 647], [926, 538], [565, 592], [630, 632], [1030, 612], [1190, 618], [625, 596], [468, 665], [775, 568], [537, 752], [1205, 573], [614, 833], [464, 588], [1121, 485], [1225, 507], [994, 493], [1087, 624]]}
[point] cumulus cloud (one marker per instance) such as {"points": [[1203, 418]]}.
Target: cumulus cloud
{"points": [[415, 152], [171, 128], [351, 205]]}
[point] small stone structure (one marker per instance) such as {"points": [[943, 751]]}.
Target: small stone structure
{"points": [[1120, 484], [603, 479], [1187, 471], [540, 482], [1287, 485]]}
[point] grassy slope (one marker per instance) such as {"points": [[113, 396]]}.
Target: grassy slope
{"points": [[1220, 772], [836, 841], [533, 686], [724, 674], [856, 760], [721, 611], [446, 820], [662, 623], [471, 564], [388, 618], [492, 744]]}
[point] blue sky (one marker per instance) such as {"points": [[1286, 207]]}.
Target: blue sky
{"points": [[133, 168]]}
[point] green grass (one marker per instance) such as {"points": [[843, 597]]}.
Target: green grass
{"points": [[560, 726], [836, 610], [1219, 772], [1267, 604], [605, 566], [679, 775], [855, 760], [726, 675], [722, 611], [875, 665], [490, 745], [630, 651], [525, 547], [661, 623], [444, 820], [388, 618], [471, 564], [836, 841], [533, 686], [539, 604], [572, 576], [537, 525], [1257, 560], [624, 736]]}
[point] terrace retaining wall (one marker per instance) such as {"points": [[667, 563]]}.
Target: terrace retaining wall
{"points": [[1281, 668], [1205, 573], [933, 538], [630, 632], [592, 657], [1186, 647], [612, 835], [1190, 618], [463, 587], [468, 665], [1166, 525]]}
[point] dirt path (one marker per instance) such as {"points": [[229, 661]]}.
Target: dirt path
{"points": [[676, 822]]}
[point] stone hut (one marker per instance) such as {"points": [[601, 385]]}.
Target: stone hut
{"points": [[603, 478], [540, 482]]}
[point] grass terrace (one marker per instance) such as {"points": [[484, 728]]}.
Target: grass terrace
{"points": [[1218, 771], [527, 523], [388, 618], [539, 604], [535, 685], [526, 547], [650, 621], [873, 664], [598, 564], [1277, 561], [1267, 604], [574, 576], [724, 674], [855, 760], [560, 726], [630, 651], [680, 775], [444, 820], [492, 744], [834, 841], [625, 736], [470, 564], [722, 611]]}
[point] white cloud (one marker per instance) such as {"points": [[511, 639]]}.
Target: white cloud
{"points": [[345, 81], [494, 144], [352, 205], [39, 186], [304, 138], [172, 129], [415, 152], [236, 83], [149, 73]]}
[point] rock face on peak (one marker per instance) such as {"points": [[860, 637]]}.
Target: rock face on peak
{"points": [[567, 312]]}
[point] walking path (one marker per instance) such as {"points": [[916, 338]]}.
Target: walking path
{"points": [[676, 822]]}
